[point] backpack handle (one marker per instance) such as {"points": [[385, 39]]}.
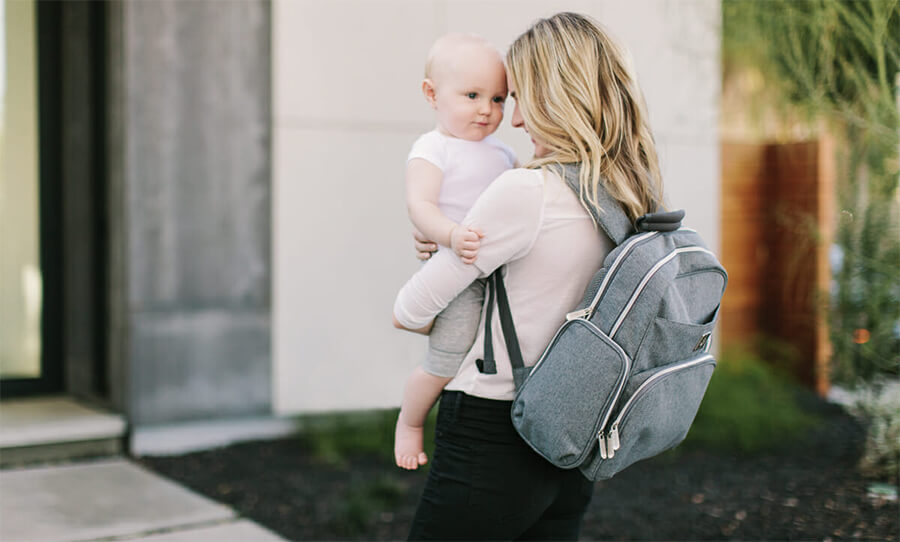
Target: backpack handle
{"points": [[669, 221]]}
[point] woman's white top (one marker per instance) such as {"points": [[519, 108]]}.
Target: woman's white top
{"points": [[535, 224], [468, 168]]}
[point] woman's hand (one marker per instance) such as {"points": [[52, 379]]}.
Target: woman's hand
{"points": [[424, 247]]}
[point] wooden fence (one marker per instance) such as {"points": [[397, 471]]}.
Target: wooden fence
{"points": [[777, 218]]}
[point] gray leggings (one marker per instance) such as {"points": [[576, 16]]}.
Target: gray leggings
{"points": [[454, 331]]}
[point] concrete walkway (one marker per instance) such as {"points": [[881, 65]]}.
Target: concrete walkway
{"points": [[112, 499]]}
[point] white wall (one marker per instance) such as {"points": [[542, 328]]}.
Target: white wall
{"points": [[346, 108]]}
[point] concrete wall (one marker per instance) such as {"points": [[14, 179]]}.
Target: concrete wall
{"points": [[347, 106], [190, 188]]}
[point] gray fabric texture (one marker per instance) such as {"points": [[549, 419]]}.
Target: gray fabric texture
{"points": [[670, 300], [561, 407], [658, 419], [611, 218], [686, 290], [454, 331]]}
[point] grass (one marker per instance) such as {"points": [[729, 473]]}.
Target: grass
{"points": [[362, 506], [749, 407], [334, 438], [337, 438]]}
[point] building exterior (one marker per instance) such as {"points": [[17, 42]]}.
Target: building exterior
{"points": [[218, 206]]}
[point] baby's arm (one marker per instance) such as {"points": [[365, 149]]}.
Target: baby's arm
{"points": [[423, 186]]}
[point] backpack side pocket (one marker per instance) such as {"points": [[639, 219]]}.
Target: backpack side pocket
{"points": [[570, 393]]}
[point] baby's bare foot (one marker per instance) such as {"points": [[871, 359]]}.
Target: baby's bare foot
{"points": [[408, 448]]}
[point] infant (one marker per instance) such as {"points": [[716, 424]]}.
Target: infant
{"points": [[447, 169]]}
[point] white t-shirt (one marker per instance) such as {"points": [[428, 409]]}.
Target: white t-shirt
{"points": [[468, 168], [535, 224]]}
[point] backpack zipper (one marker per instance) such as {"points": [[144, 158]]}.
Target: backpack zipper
{"points": [[588, 311], [609, 441], [646, 279]]}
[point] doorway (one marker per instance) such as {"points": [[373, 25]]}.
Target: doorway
{"points": [[52, 194]]}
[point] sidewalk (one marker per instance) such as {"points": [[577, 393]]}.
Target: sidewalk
{"points": [[112, 499]]}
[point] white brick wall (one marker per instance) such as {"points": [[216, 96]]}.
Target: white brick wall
{"points": [[346, 108]]}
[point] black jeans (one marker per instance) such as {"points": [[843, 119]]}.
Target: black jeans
{"points": [[485, 483]]}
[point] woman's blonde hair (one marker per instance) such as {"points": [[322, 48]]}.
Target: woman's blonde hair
{"points": [[579, 98]]}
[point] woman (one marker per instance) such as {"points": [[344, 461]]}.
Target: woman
{"points": [[577, 98]]}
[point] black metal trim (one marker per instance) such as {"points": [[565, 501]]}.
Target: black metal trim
{"points": [[100, 223]]}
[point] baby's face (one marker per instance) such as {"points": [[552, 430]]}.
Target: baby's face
{"points": [[469, 93]]}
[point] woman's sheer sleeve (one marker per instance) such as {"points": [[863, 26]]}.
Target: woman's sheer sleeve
{"points": [[509, 215], [432, 288]]}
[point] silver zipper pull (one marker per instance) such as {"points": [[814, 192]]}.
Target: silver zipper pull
{"points": [[614, 437], [602, 438], [583, 313]]}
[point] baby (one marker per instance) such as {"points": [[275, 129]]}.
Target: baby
{"points": [[447, 169]]}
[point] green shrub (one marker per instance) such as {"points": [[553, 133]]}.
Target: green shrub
{"points": [[835, 63], [333, 438], [748, 407], [363, 505]]}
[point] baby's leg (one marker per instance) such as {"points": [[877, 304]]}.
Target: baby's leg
{"points": [[454, 331], [422, 390], [450, 339]]}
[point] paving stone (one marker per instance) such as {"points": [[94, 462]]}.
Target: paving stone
{"points": [[96, 500], [43, 420]]}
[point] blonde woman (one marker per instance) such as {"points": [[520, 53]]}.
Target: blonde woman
{"points": [[578, 99]]}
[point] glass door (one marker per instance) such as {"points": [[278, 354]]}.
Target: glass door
{"points": [[28, 190]]}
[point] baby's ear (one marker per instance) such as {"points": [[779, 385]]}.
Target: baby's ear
{"points": [[428, 91]]}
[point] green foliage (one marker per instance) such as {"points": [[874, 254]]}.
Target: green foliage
{"points": [[833, 57], [363, 505], [836, 61], [748, 407], [334, 438]]}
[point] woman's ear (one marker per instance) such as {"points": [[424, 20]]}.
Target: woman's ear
{"points": [[428, 91]]}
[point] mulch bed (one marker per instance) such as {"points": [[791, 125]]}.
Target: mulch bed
{"points": [[805, 491]]}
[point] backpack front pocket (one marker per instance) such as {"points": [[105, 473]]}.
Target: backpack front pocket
{"points": [[659, 406], [667, 339], [570, 393]]}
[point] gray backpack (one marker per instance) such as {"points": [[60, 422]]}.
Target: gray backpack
{"points": [[623, 377]]}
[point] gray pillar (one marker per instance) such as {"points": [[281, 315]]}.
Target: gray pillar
{"points": [[190, 198]]}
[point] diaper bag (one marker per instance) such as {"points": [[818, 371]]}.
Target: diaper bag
{"points": [[623, 377]]}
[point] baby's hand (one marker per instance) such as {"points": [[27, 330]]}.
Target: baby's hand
{"points": [[465, 242]]}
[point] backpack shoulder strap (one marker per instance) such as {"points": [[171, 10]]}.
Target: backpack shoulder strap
{"points": [[612, 218]]}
